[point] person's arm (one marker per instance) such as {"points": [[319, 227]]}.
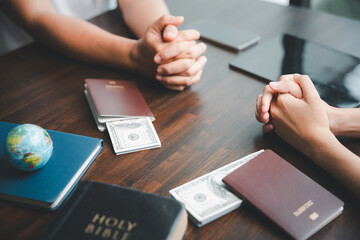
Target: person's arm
{"points": [[87, 42], [328, 153], [139, 14], [73, 37], [303, 122], [344, 122]]}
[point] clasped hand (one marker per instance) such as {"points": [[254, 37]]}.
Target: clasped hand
{"points": [[172, 57], [294, 110]]}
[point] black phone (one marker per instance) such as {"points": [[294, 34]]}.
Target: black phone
{"points": [[224, 34]]}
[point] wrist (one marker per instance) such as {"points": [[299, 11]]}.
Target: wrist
{"points": [[116, 52], [321, 145], [142, 59], [134, 56], [130, 46], [335, 117], [344, 122]]}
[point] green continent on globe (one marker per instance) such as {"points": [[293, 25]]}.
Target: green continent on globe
{"points": [[31, 160]]}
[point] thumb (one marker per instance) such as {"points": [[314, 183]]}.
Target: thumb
{"points": [[170, 33], [165, 20], [287, 86], [307, 86]]}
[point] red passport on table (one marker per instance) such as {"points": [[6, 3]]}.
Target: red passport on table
{"points": [[117, 98], [288, 197]]}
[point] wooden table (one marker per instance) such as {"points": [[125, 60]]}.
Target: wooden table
{"points": [[201, 129]]}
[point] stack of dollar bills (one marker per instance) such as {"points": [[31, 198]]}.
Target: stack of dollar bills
{"points": [[131, 135], [207, 198]]}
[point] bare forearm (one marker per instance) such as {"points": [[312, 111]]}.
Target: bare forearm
{"points": [[71, 36], [345, 122], [339, 161], [85, 41], [139, 14], [82, 40]]}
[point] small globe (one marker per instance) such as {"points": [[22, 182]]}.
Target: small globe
{"points": [[28, 147]]}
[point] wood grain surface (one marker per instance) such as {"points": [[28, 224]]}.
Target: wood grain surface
{"points": [[201, 129]]}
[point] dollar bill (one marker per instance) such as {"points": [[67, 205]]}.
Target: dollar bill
{"points": [[207, 198], [132, 135]]}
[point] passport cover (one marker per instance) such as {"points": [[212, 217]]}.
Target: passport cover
{"points": [[288, 197], [106, 211], [117, 98], [46, 188]]}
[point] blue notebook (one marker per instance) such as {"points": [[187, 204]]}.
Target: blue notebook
{"points": [[47, 187]]}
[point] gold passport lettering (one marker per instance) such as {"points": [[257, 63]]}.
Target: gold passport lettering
{"points": [[302, 208], [115, 86], [110, 227]]}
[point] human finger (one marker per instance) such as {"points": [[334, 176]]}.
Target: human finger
{"points": [[189, 73], [196, 67], [268, 127], [175, 67], [287, 84], [188, 35], [196, 78], [165, 20], [174, 80], [259, 115], [170, 33], [174, 87], [307, 86], [173, 50], [267, 96], [180, 80], [258, 108], [286, 77], [193, 52]]}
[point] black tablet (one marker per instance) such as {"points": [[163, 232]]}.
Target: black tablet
{"points": [[336, 75], [225, 35]]}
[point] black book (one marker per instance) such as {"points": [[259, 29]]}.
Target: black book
{"points": [[105, 211]]}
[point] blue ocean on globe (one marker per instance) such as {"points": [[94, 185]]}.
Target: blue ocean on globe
{"points": [[28, 147]]}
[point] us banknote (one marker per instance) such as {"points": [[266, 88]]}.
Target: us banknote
{"points": [[132, 135], [207, 198]]}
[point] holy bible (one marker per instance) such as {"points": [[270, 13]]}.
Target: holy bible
{"points": [[105, 211], [288, 197]]}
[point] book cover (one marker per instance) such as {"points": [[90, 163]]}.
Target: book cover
{"points": [[101, 121], [47, 187], [117, 98], [106, 211], [100, 125], [288, 197]]}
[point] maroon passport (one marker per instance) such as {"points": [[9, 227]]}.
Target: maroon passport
{"points": [[288, 197], [116, 98]]}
